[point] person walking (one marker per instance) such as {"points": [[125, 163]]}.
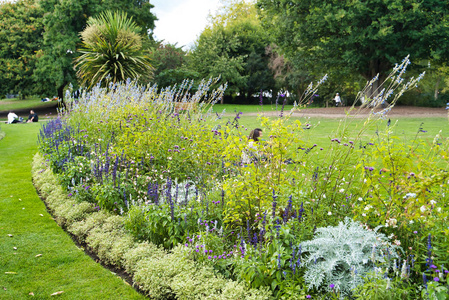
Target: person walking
{"points": [[337, 100]]}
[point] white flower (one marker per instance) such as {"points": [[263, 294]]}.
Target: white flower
{"points": [[342, 190], [439, 209], [169, 158], [433, 202], [364, 214], [397, 242], [404, 270], [423, 208], [409, 195], [329, 213], [360, 199], [368, 207], [391, 222]]}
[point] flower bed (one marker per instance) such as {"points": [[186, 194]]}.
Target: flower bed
{"points": [[174, 186]]}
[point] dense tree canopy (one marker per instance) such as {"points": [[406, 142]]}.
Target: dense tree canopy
{"points": [[63, 21], [21, 31], [366, 37], [233, 46], [170, 62]]}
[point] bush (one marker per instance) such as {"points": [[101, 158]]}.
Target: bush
{"points": [[176, 178], [339, 257]]}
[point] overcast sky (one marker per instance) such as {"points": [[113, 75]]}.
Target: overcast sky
{"points": [[182, 21]]}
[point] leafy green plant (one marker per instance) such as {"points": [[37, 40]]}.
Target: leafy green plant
{"points": [[338, 257], [112, 51], [435, 291], [379, 287]]}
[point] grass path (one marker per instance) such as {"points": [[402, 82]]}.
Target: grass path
{"points": [[62, 266]]}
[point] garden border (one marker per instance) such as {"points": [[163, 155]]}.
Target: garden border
{"points": [[152, 271]]}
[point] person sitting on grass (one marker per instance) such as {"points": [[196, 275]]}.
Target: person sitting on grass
{"points": [[33, 117], [13, 118]]}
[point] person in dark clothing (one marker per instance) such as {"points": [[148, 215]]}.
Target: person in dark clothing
{"points": [[33, 117]]}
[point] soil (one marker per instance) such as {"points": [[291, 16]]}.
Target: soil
{"points": [[341, 112]]}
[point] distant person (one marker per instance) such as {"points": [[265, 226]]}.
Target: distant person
{"points": [[13, 118], [255, 135], [337, 100], [33, 117], [250, 153], [45, 99]]}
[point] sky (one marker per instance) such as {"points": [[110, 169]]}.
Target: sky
{"points": [[182, 21]]}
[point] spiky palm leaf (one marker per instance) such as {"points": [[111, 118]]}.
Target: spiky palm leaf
{"points": [[112, 51]]}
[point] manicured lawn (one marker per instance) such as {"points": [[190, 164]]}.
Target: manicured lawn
{"points": [[30, 103], [324, 129], [40, 258]]}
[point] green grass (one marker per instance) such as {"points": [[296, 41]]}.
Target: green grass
{"points": [[62, 266], [324, 129], [30, 103]]}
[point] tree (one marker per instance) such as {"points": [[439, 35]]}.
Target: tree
{"points": [[170, 64], [366, 37], [112, 51], [63, 21], [233, 47], [21, 31]]}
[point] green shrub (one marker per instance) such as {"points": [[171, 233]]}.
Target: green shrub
{"points": [[110, 246], [140, 252], [176, 276], [82, 228], [338, 257]]}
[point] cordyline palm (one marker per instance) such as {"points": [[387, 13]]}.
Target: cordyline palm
{"points": [[112, 51]]}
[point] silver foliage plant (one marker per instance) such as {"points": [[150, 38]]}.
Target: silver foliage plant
{"points": [[338, 257]]}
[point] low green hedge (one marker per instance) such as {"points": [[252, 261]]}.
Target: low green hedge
{"points": [[160, 274]]}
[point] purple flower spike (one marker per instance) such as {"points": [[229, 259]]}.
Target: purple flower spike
{"points": [[436, 279], [332, 285]]}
